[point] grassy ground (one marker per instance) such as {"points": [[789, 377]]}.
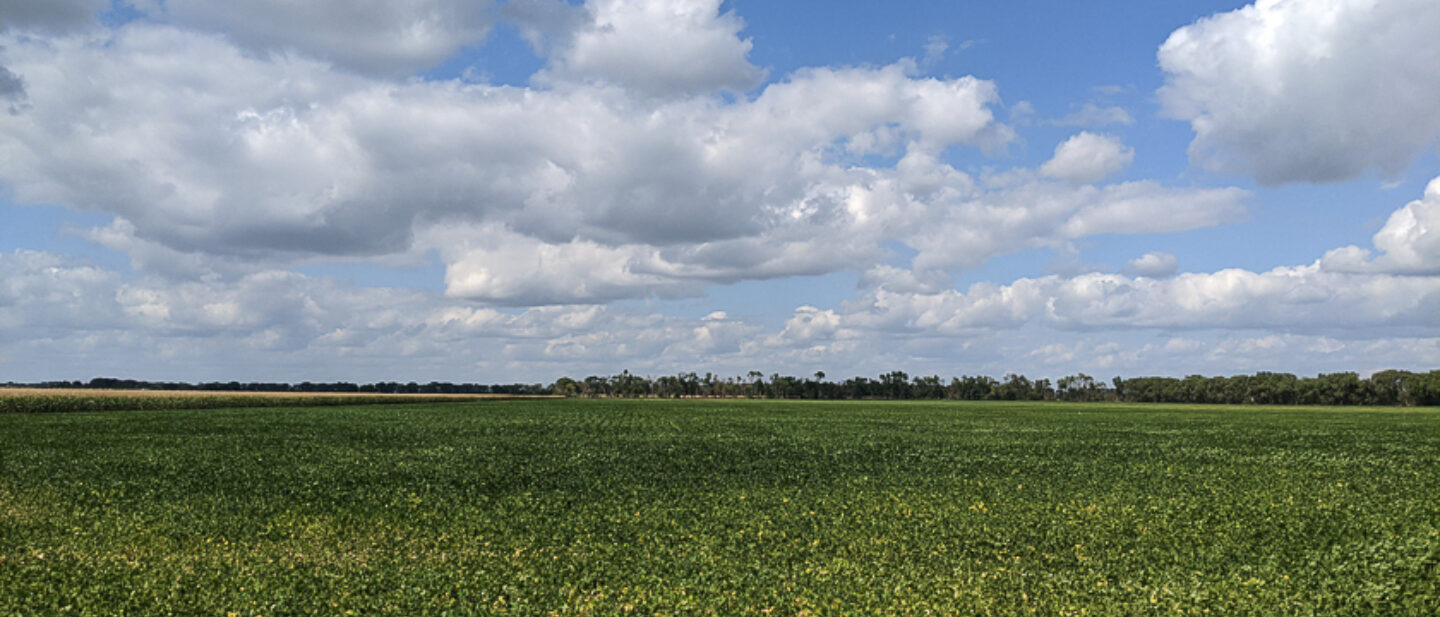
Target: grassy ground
{"points": [[575, 507]]}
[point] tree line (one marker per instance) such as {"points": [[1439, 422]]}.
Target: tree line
{"points": [[1384, 388], [379, 387]]}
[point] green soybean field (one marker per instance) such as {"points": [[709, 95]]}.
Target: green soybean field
{"points": [[721, 507]]}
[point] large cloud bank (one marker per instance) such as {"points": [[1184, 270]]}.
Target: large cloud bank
{"points": [[229, 144], [1328, 318], [622, 173]]}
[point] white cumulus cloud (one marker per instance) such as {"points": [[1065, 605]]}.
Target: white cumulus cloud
{"points": [[673, 48], [1298, 299], [1346, 291], [1409, 242], [595, 184], [1308, 90], [1087, 158]]}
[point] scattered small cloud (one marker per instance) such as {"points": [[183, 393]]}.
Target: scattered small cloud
{"points": [[1087, 158], [935, 48], [1022, 113], [1092, 115], [1070, 266], [1153, 265]]}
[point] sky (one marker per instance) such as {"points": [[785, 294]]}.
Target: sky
{"points": [[499, 191]]}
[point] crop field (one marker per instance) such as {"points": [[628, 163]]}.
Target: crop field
{"points": [[605, 507]]}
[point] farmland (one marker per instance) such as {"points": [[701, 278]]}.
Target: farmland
{"points": [[575, 507]]}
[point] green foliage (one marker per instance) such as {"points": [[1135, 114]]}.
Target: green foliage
{"points": [[604, 507], [1390, 388]]}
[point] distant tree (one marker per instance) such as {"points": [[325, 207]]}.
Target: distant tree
{"points": [[895, 385], [757, 385], [566, 386]]}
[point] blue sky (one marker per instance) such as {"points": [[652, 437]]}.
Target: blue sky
{"points": [[524, 189]]}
